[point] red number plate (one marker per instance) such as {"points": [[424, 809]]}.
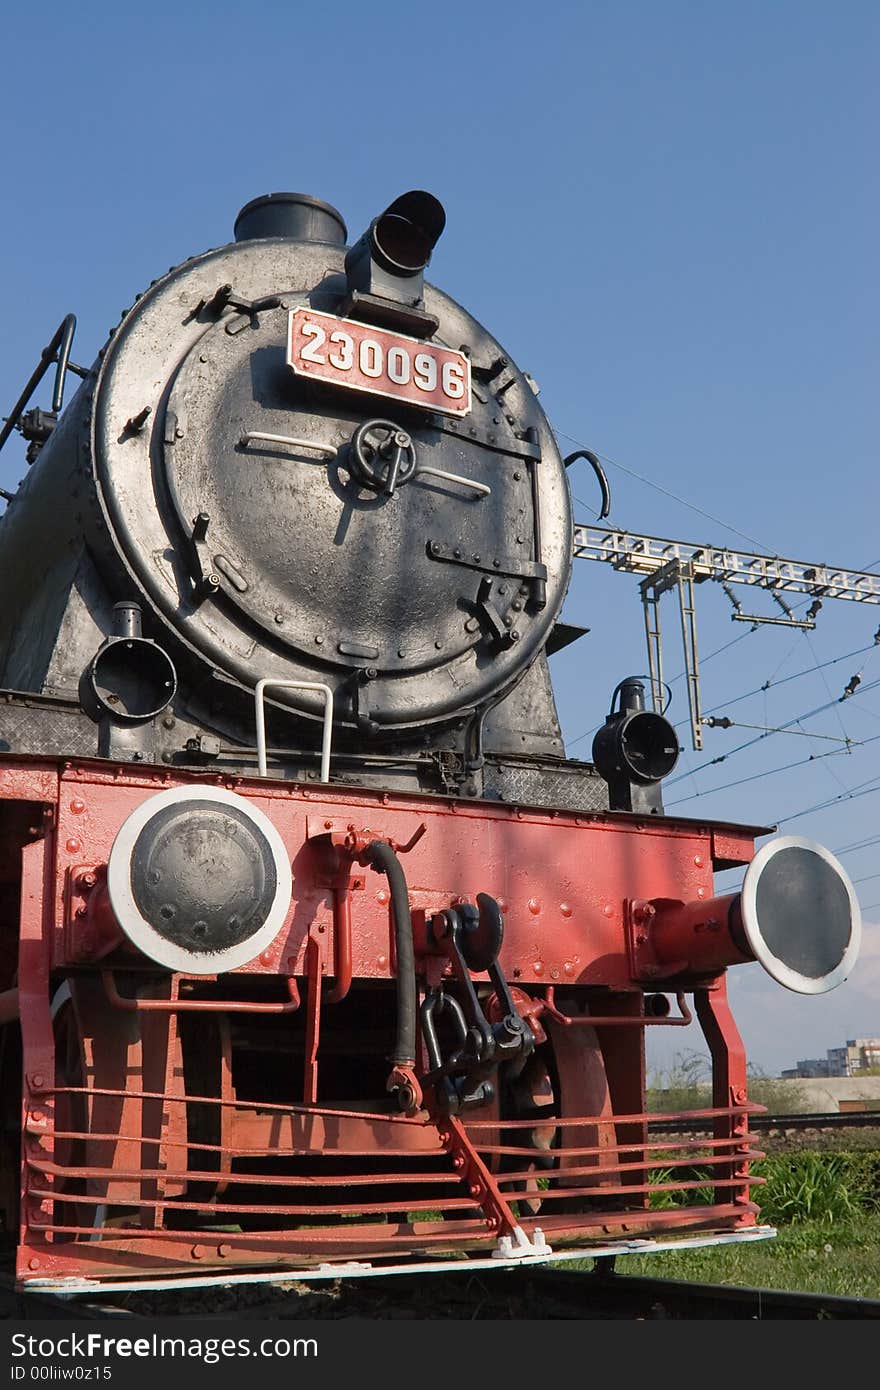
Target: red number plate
{"points": [[346, 353]]}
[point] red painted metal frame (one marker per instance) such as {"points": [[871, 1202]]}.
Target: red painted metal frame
{"points": [[567, 885], [178, 1005]]}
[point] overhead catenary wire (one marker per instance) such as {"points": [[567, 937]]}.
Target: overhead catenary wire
{"points": [[781, 729], [857, 844], [861, 789], [769, 772], [664, 490], [774, 685], [750, 743]]}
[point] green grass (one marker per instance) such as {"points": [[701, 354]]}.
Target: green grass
{"points": [[826, 1208], [808, 1257], [823, 1189]]}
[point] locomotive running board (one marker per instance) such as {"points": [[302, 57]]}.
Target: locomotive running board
{"points": [[356, 1269]]}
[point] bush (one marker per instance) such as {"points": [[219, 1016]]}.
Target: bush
{"points": [[686, 1085], [821, 1188], [780, 1097]]}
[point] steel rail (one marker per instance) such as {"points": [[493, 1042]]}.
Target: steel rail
{"points": [[599, 1292], [833, 1119]]}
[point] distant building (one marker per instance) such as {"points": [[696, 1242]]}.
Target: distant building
{"points": [[858, 1056]]}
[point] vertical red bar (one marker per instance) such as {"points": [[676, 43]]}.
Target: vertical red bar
{"points": [[37, 1044], [729, 1086], [313, 1021]]}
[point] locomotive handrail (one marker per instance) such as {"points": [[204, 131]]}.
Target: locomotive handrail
{"points": [[267, 683], [548, 1004], [222, 1006], [58, 350], [329, 449]]}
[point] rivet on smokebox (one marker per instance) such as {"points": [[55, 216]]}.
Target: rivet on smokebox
{"points": [[698, 860], [565, 909], [534, 906], [77, 806], [608, 910], [73, 846], [266, 956], [382, 896]]}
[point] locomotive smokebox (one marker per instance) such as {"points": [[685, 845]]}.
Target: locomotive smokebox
{"points": [[294, 215], [797, 914], [198, 880]]}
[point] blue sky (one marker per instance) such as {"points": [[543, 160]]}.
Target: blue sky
{"points": [[667, 213]]}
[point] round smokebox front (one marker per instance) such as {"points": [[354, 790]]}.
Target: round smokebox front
{"points": [[199, 880]]}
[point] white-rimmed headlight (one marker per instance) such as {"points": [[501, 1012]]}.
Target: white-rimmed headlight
{"points": [[199, 880], [800, 915]]}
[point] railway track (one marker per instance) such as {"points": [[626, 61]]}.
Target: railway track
{"points": [[488, 1295], [857, 1119]]}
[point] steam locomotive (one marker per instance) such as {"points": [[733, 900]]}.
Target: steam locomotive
{"points": [[317, 951]]}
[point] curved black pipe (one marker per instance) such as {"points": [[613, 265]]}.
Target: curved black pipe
{"points": [[599, 471], [382, 857]]}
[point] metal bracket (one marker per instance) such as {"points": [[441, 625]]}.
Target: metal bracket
{"points": [[206, 581], [675, 574], [517, 1245], [260, 711], [501, 439], [513, 565], [224, 297], [500, 626]]}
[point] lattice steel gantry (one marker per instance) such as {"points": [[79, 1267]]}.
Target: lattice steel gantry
{"points": [[673, 564]]}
